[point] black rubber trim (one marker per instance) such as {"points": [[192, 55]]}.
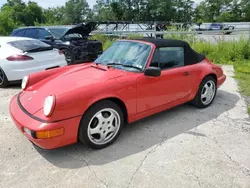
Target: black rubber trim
{"points": [[98, 68], [15, 82], [33, 134], [37, 118], [52, 67]]}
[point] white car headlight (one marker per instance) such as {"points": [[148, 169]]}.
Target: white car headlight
{"points": [[25, 82], [49, 105]]}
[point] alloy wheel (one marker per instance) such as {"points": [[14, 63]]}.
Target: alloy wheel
{"points": [[104, 126], [208, 92]]}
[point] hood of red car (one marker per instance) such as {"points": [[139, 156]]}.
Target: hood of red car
{"points": [[78, 77]]}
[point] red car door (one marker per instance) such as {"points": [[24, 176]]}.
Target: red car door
{"points": [[175, 83], [172, 85]]}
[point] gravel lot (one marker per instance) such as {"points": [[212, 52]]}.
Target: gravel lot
{"points": [[182, 147]]}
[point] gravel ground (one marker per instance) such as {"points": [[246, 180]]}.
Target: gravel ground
{"points": [[182, 147]]}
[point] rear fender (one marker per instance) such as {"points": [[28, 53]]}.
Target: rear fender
{"points": [[206, 70]]}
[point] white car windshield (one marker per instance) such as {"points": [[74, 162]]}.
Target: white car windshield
{"points": [[30, 45], [128, 55]]}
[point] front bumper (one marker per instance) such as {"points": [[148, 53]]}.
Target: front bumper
{"points": [[22, 120]]}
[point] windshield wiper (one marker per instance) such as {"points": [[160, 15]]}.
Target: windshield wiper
{"points": [[124, 65]]}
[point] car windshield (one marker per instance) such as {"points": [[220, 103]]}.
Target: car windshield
{"points": [[30, 45], [60, 32], [128, 55]]}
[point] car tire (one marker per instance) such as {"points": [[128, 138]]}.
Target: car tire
{"points": [[4, 82], [103, 120], [68, 56], [206, 93]]}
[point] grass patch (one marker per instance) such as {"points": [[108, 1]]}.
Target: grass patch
{"points": [[244, 82], [242, 73]]}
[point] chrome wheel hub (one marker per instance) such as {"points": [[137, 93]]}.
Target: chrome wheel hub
{"points": [[208, 92], [104, 126]]}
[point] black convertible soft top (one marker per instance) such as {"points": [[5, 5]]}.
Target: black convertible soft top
{"points": [[191, 56]]}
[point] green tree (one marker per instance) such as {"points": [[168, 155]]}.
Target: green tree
{"points": [[16, 8], [103, 11], [117, 9], [33, 14], [6, 22], [23, 14], [54, 16], [76, 11], [183, 11], [245, 5]]}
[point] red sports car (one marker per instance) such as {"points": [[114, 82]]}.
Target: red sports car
{"points": [[131, 80]]}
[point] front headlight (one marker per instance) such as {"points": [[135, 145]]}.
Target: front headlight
{"points": [[25, 82], [49, 105]]}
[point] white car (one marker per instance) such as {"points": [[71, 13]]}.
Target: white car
{"points": [[22, 56]]}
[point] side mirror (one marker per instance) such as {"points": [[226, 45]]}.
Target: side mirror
{"points": [[153, 71], [50, 37]]}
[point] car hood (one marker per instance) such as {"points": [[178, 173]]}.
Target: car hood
{"points": [[82, 29], [68, 81]]}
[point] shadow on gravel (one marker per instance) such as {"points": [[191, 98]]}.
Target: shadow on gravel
{"points": [[142, 135], [15, 86]]}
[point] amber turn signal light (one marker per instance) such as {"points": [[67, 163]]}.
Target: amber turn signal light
{"points": [[49, 134]]}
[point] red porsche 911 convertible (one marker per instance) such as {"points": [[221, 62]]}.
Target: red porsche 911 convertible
{"points": [[131, 80]]}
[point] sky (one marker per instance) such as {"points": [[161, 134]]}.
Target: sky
{"points": [[51, 3], [54, 3]]}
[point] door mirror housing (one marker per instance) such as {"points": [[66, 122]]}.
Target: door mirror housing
{"points": [[153, 72], [50, 37]]}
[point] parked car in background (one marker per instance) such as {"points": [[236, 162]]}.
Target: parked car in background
{"points": [[22, 56], [220, 27], [131, 80], [216, 27], [71, 40]]}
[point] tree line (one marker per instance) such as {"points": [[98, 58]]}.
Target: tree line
{"points": [[17, 13]]}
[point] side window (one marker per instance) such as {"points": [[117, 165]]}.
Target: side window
{"points": [[31, 33], [168, 57], [19, 33], [42, 33]]}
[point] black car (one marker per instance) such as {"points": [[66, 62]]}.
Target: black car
{"points": [[71, 40]]}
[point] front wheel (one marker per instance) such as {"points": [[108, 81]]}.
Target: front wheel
{"points": [[101, 124], [206, 93]]}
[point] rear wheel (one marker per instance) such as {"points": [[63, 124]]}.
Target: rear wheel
{"points": [[68, 56], [101, 124], [206, 93], [3, 79]]}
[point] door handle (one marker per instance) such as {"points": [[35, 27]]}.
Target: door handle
{"points": [[186, 74]]}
